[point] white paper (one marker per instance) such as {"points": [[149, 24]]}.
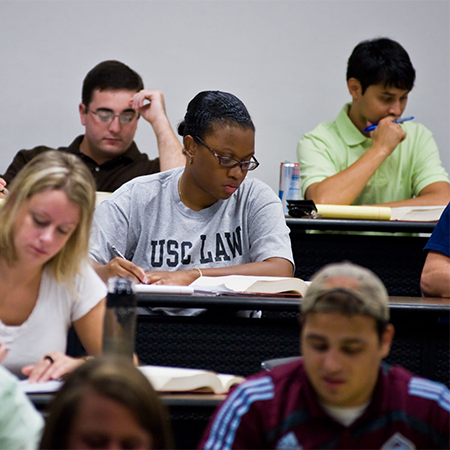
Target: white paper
{"points": [[162, 289], [34, 388]]}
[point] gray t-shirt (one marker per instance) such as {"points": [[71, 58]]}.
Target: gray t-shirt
{"points": [[151, 227]]}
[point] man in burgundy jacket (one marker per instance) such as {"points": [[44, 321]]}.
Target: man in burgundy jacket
{"points": [[340, 394]]}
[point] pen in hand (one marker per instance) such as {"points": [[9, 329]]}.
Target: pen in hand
{"points": [[400, 120], [116, 252], [120, 255]]}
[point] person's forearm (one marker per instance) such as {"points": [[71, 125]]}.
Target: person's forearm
{"points": [[435, 279], [433, 195], [277, 267], [169, 147], [436, 283], [101, 269], [344, 187]]}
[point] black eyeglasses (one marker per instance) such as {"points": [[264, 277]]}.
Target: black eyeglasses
{"points": [[107, 116], [231, 163]]}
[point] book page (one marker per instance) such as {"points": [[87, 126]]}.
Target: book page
{"points": [[250, 284], [417, 213], [177, 379], [162, 289], [228, 381], [244, 283], [40, 388], [280, 285]]}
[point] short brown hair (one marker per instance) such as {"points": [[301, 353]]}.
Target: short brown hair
{"points": [[117, 379]]}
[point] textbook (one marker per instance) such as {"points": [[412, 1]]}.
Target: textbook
{"points": [[417, 213], [177, 379], [250, 284]]}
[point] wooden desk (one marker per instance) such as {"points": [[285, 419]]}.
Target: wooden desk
{"points": [[397, 260]]}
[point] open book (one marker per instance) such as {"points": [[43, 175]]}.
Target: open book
{"points": [[250, 284], [417, 213], [175, 379]]}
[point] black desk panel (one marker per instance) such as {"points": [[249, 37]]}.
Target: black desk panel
{"points": [[223, 342], [397, 260]]}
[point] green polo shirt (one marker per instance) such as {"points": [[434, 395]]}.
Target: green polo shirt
{"points": [[20, 423], [333, 146]]}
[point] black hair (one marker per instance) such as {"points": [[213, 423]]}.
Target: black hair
{"points": [[381, 61], [110, 75], [209, 109]]}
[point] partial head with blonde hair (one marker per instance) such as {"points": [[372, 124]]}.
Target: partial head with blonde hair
{"points": [[52, 170]]}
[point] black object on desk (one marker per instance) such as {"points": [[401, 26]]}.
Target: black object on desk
{"points": [[397, 260]]}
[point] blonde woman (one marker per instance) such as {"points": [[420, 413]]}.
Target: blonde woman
{"points": [[46, 281]]}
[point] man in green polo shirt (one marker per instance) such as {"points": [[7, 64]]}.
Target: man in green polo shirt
{"points": [[394, 164]]}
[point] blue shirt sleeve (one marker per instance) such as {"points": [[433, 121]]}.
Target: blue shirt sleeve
{"points": [[440, 239]]}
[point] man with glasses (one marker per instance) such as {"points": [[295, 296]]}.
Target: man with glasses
{"points": [[113, 97]]}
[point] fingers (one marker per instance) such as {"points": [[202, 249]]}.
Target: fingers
{"points": [[388, 133], [155, 277], [151, 95], [51, 367], [177, 278], [3, 190], [119, 267]]}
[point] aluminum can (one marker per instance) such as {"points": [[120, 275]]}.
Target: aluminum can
{"points": [[289, 183]]}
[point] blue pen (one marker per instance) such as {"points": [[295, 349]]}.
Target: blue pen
{"points": [[401, 120]]}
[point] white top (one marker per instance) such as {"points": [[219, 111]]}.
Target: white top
{"points": [[46, 328], [345, 416]]}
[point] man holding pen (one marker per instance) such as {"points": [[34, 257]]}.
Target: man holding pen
{"points": [[368, 156]]}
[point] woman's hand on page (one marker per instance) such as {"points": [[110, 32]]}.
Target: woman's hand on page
{"points": [[51, 367]]}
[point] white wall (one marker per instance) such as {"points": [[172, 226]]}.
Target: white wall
{"points": [[285, 59]]}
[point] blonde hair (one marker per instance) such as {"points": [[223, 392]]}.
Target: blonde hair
{"points": [[52, 170]]}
